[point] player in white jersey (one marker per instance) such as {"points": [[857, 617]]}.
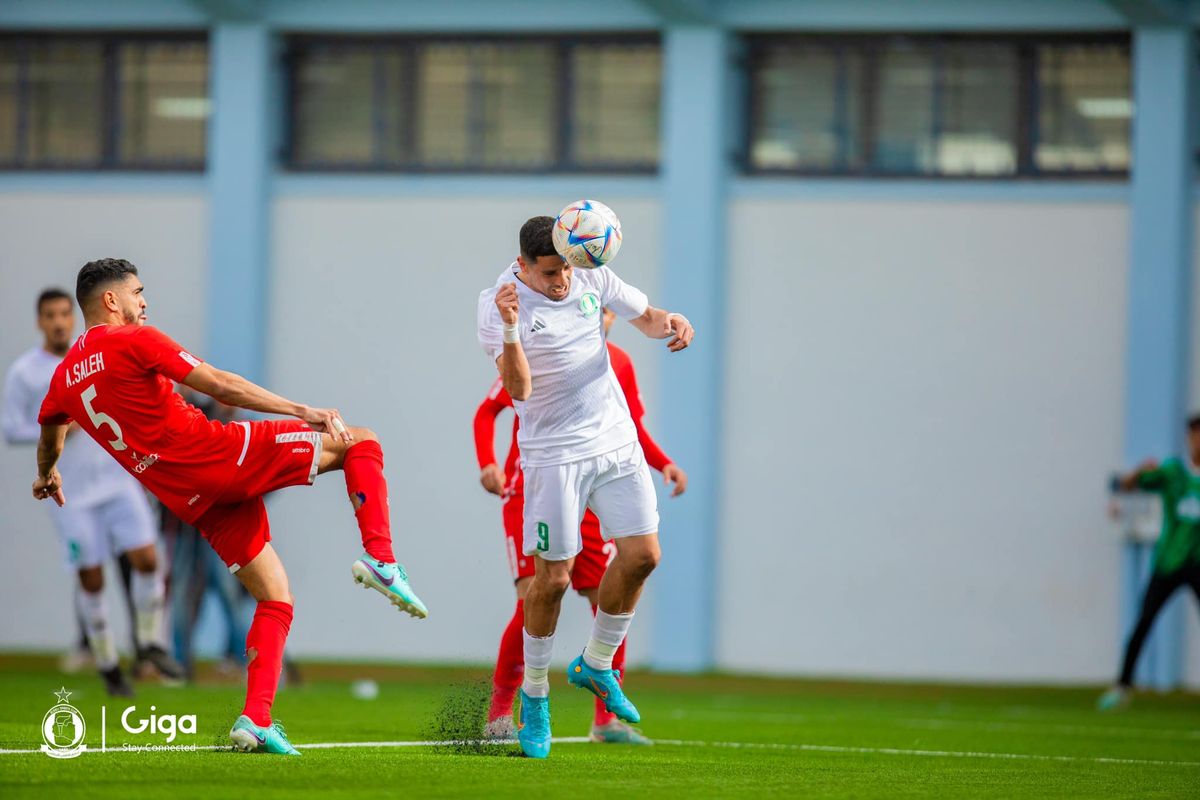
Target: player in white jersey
{"points": [[108, 514], [541, 324]]}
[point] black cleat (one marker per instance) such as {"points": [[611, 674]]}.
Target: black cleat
{"points": [[115, 683], [152, 661]]}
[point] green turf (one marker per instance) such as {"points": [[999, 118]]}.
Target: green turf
{"points": [[983, 726]]}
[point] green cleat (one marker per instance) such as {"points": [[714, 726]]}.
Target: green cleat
{"points": [[391, 581], [1114, 699], [248, 737]]}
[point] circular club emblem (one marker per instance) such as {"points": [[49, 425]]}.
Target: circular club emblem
{"points": [[589, 304], [63, 730]]}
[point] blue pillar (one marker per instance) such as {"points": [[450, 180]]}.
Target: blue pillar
{"points": [[1160, 270], [695, 166], [239, 162]]}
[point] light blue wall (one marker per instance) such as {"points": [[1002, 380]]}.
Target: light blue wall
{"points": [[1161, 261], [239, 166], [694, 169]]}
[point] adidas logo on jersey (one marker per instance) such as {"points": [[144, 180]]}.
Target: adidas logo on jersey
{"points": [[537, 326]]}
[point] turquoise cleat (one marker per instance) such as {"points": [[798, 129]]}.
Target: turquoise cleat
{"points": [[1115, 699], [248, 737], [391, 581], [533, 733], [603, 684]]}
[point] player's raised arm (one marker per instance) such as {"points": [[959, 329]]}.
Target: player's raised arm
{"points": [[1144, 477], [50, 447], [658, 323], [234, 390], [513, 366]]}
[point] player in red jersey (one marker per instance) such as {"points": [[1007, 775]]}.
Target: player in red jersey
{"points": [[116, 383], [589, 564]]}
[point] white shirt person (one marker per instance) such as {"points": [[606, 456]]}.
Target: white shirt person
{"points": [[541, 324]]}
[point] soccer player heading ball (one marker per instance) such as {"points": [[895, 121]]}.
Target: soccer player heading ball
{"points": [[116, 383], [542, 325]]}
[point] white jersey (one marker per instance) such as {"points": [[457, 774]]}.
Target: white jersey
{"points": [[576, 409], [90, 474]]}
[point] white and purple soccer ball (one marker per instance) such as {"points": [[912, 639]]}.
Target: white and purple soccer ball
{"points": [[587, 234]]}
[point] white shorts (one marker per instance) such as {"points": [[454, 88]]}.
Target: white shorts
{"points": [[617, 486], [92, 534]]}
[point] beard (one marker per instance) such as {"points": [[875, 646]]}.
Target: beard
{"points": [[130, 317]]}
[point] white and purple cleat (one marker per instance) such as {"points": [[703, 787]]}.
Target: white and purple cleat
{"points": [[389, 580]]}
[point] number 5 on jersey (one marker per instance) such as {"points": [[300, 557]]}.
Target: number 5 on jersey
{"points": [[100, 419]]}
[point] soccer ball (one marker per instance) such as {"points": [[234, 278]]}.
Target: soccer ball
{"points": [[587, 234]]}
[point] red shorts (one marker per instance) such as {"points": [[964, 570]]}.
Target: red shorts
{"points": [[275, 454], [590, 564]]}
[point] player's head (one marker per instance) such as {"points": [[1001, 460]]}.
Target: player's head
{"points": [[56, 318], [108, 290], [610, 317], [1193, 429], [542, 268]]}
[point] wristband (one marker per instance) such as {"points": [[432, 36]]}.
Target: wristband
{"points": [[512, 333]]}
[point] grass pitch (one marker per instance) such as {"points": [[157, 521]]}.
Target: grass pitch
{"points": [[718, 736]]}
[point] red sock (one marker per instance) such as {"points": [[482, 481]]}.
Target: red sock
{"points": [[510, 666], [363, 465], [264, 657], [603, 715]]}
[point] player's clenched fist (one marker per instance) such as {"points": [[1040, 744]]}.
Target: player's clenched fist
{"points": [[506, 301], [50, 486]]}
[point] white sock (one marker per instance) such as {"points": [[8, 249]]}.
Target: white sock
{"points": [[608, 631], [94, 611], [538, 650], [146, 589]]}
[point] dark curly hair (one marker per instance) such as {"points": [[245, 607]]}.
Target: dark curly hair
{"points": [[536, 238], [97, 275]]}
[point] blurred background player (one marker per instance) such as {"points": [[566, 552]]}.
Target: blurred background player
{"points": [[116, 382], [109, 514], [589, 564], [1177, 552], [541, 326]]}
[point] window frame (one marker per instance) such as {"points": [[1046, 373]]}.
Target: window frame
{"points": [[871, 45], [110, 103], [406, 46]]}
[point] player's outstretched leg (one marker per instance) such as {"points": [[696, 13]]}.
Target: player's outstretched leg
{"points": [[1158, 591], [362, 462], [266, 580], [620, 588]]}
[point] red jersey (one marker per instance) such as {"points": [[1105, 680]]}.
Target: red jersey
{"points": [[498, 400], [116, 383]]}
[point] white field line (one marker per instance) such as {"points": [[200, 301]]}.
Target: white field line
{"points": [[811, 748], [937, 723]]}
